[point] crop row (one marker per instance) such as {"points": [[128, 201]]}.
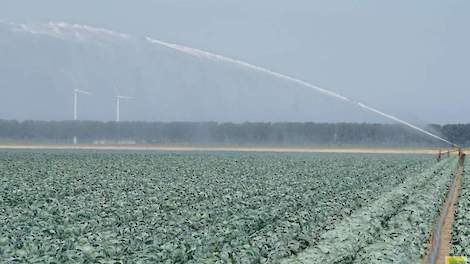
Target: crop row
{"points": [[461, 226], [393, 229], [72, 207]]}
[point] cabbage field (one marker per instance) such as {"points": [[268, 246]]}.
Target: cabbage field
{"points": [[461, 227], [125, 207]]}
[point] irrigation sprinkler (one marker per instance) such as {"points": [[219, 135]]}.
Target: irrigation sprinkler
{"points": [[220, 58]]}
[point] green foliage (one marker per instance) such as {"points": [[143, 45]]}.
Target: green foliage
{"points": [[461, 226], [110, 207], [392, 229]]}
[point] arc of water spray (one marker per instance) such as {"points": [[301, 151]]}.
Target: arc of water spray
{"points": [[403, 122], [219, 58], [54, 28]]}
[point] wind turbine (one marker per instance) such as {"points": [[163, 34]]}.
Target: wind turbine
{"points": [[75, 101], [75, 105], [118, 102]]}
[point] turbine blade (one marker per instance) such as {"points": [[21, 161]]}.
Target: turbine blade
{"points": [[124, 97], [82, 92]]}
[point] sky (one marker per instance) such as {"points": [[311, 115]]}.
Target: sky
{"points": [[407, 58]]}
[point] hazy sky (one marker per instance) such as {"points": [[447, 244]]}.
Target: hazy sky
{"points": [[410, 58]]}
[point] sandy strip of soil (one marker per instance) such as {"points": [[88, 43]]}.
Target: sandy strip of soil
{"points": [[226, 149], [446, 239], [443, 244]]}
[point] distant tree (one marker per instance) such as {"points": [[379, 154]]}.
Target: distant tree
{"points": [[230, 133]]}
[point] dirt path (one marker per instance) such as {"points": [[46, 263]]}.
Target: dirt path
{"points": [[446, 236], [228, 149], [440, 242]]}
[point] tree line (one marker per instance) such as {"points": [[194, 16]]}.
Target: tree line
{"points": [[213, 133]]}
